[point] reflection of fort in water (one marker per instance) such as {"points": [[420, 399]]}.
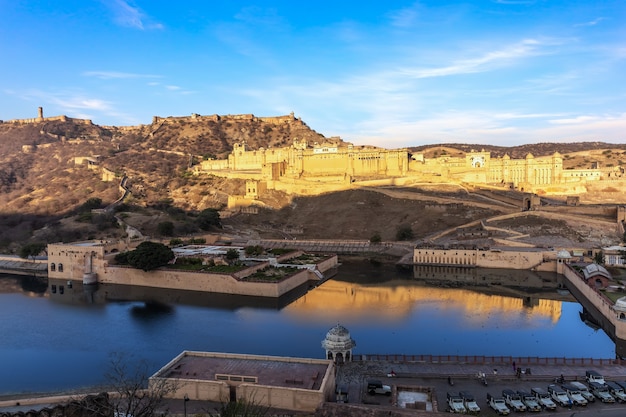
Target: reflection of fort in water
{"points": [[389, 300], [63, 291], [396, 299]]}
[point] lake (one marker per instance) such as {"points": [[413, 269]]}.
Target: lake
{"points": [[53, 341]]}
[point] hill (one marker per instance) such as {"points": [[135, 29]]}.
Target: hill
{"points": [[51, 176]]}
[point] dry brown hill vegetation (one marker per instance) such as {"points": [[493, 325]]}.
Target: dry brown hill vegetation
{"points": [[43, 193]]}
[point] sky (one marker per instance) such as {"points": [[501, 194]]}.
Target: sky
{"points": [[392, 74]]}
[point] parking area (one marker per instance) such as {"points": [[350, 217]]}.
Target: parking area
{"points": [[426, 385]]}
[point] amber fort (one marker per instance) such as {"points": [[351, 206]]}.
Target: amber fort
{"points": [[313, 168]]}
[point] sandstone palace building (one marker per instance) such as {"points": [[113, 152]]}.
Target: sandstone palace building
{"points": [[308, 169]]}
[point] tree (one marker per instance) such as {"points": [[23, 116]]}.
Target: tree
{"points": [[404, 232], [209, 218], [32, 250], [165, 228], [150, 255], [131, 394], [254, 250], [599, 257], [90, 204], [232, 254], [375, 239]]}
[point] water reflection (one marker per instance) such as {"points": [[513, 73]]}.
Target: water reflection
{"points": [[397, 300], [80, 294], [386, 311]]}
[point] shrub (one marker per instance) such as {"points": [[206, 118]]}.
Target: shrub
{"points": [[404, 232]]}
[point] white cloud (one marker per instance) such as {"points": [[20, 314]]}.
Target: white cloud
{"points": [[107, 75], [514, 2], [574, 120], [404, 18], [128, 15], [486, 62], [591, 22]]}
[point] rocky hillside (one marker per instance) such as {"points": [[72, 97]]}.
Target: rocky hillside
{"points": [[45, 195]]}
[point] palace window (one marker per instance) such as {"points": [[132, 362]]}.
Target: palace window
{"points": [[60, 267]]}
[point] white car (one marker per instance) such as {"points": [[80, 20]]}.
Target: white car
{"points": [[455, 404], [559, 395]]}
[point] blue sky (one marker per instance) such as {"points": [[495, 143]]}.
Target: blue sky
{"points": [[392, 74]]}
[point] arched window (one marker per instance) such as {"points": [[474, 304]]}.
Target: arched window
{"points": [[60, 267], [53, 267]]}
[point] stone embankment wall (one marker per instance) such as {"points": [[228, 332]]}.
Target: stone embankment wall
{"points": [[598, 300], [202, 281]]}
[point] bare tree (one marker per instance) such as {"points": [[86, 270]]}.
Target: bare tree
{"points": [[129, 393]]}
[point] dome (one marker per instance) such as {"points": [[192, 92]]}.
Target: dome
{"points": [[563, 254], [337, 339], [593, 270], [620, 304]]}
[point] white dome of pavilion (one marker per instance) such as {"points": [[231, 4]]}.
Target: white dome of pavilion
{"points": [[338, 343]]}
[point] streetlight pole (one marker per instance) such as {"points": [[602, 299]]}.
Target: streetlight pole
{"points": [[185, 399]]}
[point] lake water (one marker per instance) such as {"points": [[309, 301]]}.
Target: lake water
{"points": [[52, 341]]}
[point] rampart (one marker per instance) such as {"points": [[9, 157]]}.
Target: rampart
{"points": [[275, 120], [61, 118]]}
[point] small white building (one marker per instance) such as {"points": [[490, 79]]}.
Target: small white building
{"points": [[614, 256], [338, 344]]}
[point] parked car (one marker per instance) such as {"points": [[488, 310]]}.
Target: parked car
{"points": [[498, 405], [584, 391], [594, 376], [601, 392], [470, 402], [529, 401], [559, 395], [543, 398], [374, 386], [616, 391], [455, 403], [574, 395], [513, 400]]}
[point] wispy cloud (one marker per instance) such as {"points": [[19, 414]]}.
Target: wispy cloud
{"points": [[404, 18], [131, 16], [591, 22], [575, 120], [486, 62], [108, 75], [255, 15], [522, 2]]}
